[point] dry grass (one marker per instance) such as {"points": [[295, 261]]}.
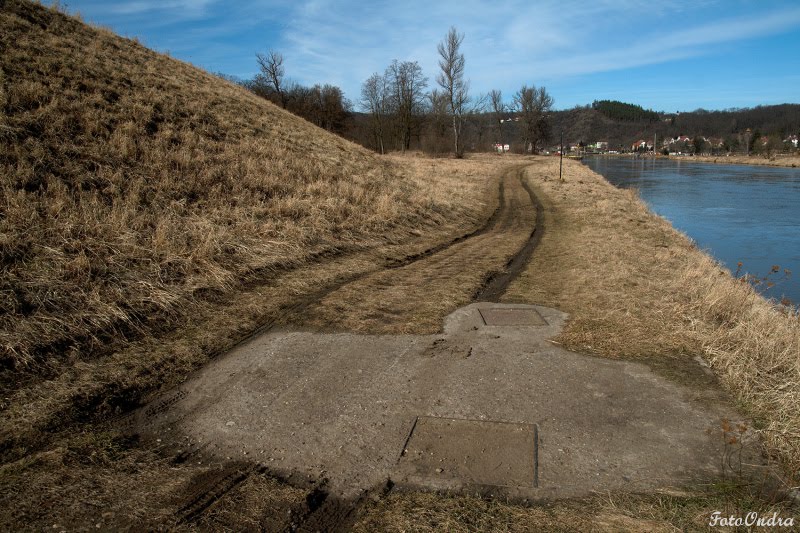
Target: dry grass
{"points": [[664, 512], [416, 298], [96, 481], [142, 196], [637, 288], [152, 214], [776, 160]]}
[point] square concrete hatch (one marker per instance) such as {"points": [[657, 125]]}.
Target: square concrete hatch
{"points": [[453, 453], [511, 316]]}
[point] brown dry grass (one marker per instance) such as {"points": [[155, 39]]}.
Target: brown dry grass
{"points": [[417, 297], [637, 288], [664, 512], [96, 481], [153, 214], [777, 160], [143, 197]]}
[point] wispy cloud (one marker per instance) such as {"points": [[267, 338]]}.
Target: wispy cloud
{"points": [[517, 41], [177, 9], [507, 44]]}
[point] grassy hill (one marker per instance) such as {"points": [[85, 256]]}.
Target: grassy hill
{"points": [[139, 191]]}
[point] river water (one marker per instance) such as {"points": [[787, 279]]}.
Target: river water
{"points": [[738, 213]]}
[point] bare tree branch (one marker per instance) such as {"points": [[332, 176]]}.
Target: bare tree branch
{"points": [[451, 80], [534, 106], [271, 65]]}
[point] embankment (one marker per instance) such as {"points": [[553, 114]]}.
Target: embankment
{"points": [[152, 214], [637, 288], [779, 160]]}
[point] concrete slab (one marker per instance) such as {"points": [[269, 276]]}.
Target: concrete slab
{"points": [[341, 406], [450, 453], [511, 316]]}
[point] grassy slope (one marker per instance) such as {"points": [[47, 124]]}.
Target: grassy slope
{"points": [[139, 191]]}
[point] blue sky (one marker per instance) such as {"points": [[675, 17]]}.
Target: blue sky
{"points": [[670, 56]]}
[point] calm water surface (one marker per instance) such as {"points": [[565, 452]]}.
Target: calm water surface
{"points": [[737, 213]]}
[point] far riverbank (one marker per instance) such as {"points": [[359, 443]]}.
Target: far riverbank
{"points": [[780, 160]]}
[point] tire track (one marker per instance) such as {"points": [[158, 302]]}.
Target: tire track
{"points": [[416, 296], [477, 265]]}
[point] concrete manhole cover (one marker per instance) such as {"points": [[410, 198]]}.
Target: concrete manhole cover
{"points": [[453, 453], [509, 316]]}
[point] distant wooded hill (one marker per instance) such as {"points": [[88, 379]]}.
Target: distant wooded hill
{"points": [[618, 123], [621, 124]]}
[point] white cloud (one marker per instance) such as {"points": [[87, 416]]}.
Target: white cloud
{"points": [[177, 8], [507, 43]]}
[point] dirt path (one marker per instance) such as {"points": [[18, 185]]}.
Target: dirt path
{"points": [[415, 297], [363, 391]]}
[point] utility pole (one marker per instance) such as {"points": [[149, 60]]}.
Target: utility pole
{"points": [[561, 157], [747, 140]]}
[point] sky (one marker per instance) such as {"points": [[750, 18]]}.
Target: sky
{"points": [[664, 55]]}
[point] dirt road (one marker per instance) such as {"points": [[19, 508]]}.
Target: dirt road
{"points": [[369, 389], [415, 296]]}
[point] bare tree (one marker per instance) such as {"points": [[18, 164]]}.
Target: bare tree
{"points": [[375, 100], [272, 70], [407, 85], [498, 110], [451, 80], [534, 106]]}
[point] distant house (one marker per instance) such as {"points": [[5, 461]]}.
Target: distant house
{"points": [[502, 148], [792, 140], [641, 145], [678, 145], [603, 145]]}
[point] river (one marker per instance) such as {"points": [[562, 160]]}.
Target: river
{"points": [[738, 213]]}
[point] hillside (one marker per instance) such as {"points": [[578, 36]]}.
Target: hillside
{"points": [[617, 125], [138, 192], [587, 124]]}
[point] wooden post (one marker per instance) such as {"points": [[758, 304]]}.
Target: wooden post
{"points": [[561, 157]]}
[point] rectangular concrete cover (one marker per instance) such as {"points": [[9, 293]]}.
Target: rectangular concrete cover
{"points": [[505, 316], [453, 452]]}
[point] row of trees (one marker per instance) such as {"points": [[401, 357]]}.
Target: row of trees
{"points": [[395, 101], [400, 112], [400, 109], [323, 105]]}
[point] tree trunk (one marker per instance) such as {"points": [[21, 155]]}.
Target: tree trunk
{"points": [[455, 136]]}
